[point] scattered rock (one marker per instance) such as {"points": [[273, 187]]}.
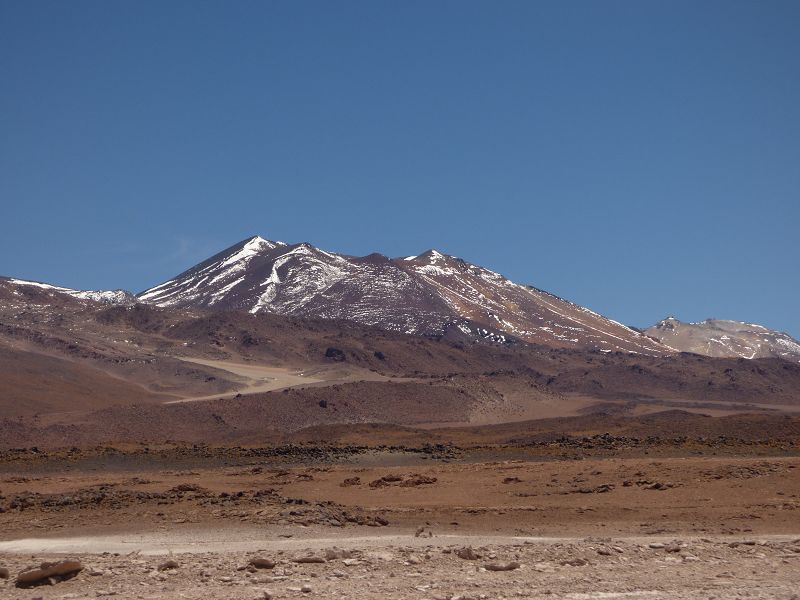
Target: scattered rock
{"points": [[351, 481], [575, 562], [351, 562], [309, 559], [467, 553], [306, 589], [167, 565], [262, 563], [188, 487], [509, 566], [600, 489], [334, 553], [49, 573], [415, 480], [4, 573], [385, 480], [690, 558]]}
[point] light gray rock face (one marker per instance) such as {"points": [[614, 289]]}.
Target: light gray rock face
{"points": [[727, 339]]}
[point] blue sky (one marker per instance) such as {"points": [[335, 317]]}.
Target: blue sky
{"points": [[640, 158]]}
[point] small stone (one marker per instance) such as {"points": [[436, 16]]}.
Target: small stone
{"points": [[306, 589], [4, 573], [656, 546], [262, 563], [167, 565], [467, 553], [351, 562], [690, 558], [509, 566], [575, 562], [309, 559], [334, 553]]}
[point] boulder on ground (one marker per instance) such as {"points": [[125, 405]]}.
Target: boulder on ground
{"points": [[49, 572]]}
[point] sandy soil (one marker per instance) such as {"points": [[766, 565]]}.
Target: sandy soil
{"points": [[688, 527]]}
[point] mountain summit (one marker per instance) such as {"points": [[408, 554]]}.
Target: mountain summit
{"points": [[432, 293]]}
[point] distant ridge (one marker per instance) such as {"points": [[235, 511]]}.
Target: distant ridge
{"points": [[102, 296], [718, 337]]}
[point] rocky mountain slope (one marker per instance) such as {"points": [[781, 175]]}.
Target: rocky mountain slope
{"points": [[432, 294], [715, 337]]}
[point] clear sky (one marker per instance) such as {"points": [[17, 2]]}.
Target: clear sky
{"points": [[641, 158]]}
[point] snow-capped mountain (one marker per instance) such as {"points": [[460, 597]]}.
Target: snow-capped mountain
{"points": [[715, 337], [103, 296], [431, 293]]}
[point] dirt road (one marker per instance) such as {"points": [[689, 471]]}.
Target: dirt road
{"points": [[264, 378]]}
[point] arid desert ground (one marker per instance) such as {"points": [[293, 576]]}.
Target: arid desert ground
{"points": [[154, 453], [605, 518]]}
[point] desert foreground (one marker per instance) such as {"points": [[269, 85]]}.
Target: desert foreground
{"points": [[435, 521]]}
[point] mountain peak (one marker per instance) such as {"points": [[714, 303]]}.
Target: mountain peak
{"points": [[422, 294], [433, 255], [430, 257], [257, 242]]}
